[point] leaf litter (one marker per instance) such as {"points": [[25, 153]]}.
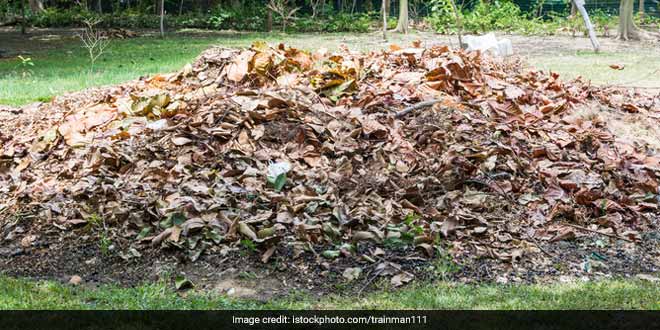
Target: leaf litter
{"points": [[301, 156]]}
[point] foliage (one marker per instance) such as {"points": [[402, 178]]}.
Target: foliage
{"points": [[338, 23], [647, 20], [492, 15], [479, 17], [506, 16], [25, 64], [242, 18]]}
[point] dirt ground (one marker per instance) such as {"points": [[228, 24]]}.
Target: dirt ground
{"points": [[242, 274]]}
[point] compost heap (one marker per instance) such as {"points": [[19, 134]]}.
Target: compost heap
{"points": [[291, 153]]}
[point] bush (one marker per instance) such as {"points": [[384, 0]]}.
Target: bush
{"points": [[504, 15], [51, 17], [500, 15], [348, 23], [243, 18]]}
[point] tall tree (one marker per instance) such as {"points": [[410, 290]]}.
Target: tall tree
{"points": [[627, 28], [402, 25], [23, 19], [579, 4], [384, 14], [269, 20], [162, 18], [642, 11], [36, 6]]}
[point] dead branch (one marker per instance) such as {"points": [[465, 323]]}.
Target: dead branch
{"points": [[417, 106], [597, 232]]}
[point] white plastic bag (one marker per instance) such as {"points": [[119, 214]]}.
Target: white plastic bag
{"points": [[489, 43]]}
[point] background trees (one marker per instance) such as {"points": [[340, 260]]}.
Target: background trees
{"points": [[479, 16]]}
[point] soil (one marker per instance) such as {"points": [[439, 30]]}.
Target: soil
{"points": [[240, 273]]}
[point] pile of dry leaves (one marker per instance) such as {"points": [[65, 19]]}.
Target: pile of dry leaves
{"points": [[290, 153]]}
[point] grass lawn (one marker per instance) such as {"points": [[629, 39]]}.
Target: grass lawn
{"points": [[65, 67], [641, 68], [611, 294], [68, 69]]}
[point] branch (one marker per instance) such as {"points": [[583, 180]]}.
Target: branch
{"points": [[417, 106], [597, 232]]}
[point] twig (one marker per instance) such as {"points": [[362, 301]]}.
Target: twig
{"points": [[369, 281], [597, 232], [459, 24], [417, 106], [531, 239], [633, 87]]}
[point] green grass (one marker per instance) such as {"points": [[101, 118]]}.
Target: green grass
{"points": [[67, 68], [641, 67], [611, 294], [62, 66]]}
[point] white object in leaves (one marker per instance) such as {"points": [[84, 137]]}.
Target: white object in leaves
{"points": [[277, 169], [489, 43], [158, 125]]}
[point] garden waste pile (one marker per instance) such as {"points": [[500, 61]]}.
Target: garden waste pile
{"points": [[311, 156]]}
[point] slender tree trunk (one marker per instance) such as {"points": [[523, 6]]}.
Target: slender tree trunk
{"points": [[573, 9], [162, 18], [384, 12], [627, 28], [314, 4], [36, 6], [402, 25], [99, 6], [181, 8], [23, 20], [269, 21], [459, 24], [642, 11], [587, 23]]}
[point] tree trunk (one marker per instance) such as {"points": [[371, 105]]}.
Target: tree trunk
{"points": [[459, 24], [269, 21], [587, 23], [36, 6], [573, 9], [99, 6], [384, 12], [627, 28], [162, 18], [402, 26], [23, 29], [641, 9]]}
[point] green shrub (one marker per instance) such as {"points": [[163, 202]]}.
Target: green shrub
{"points": [[442, 17], [51, 17], [348, 23], [504, 15], [501, 15]]}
